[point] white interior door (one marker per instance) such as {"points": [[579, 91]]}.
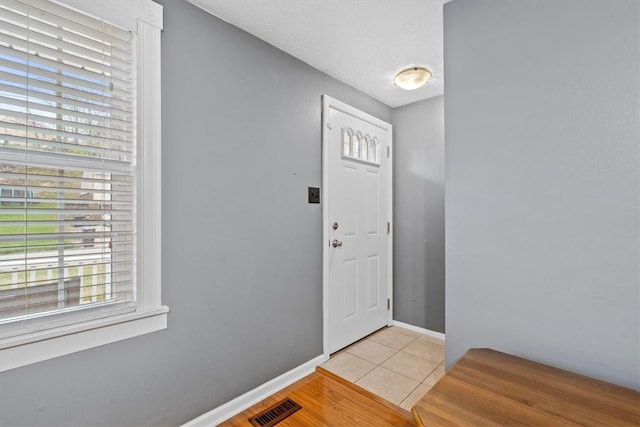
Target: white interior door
{"points": [[357, 224]]}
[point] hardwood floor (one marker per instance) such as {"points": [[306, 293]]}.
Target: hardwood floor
{"points": [[327, 400], [485, 387]]}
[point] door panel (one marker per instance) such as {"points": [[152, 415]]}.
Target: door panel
{"points": [[350, 284], [373, 279], [346, 203], [372, 207]]}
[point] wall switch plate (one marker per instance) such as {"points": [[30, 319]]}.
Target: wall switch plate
{"points": [[314, 195]]}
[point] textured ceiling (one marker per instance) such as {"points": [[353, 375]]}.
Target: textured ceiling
{"points": [[363, 43]]}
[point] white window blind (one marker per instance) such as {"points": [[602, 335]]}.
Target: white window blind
{"points": [[67, 164]]}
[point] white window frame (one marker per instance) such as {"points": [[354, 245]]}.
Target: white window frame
{"points": [[144, 18]]}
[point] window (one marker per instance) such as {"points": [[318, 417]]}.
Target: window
{"points": [[356, 146], [79, 176], [346, 142], [364, 153]]}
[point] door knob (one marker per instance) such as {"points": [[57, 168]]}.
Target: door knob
{"points": [[336, 243]]}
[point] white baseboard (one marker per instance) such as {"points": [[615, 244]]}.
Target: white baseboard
{"points": [[418, 329], [250, 398]]}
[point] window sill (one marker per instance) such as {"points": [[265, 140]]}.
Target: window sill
{"points": [[40, 346]]}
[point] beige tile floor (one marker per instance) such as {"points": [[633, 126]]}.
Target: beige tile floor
{"points": [[397, 364]]}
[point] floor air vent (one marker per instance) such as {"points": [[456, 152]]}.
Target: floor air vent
{"points": [[275, 414]]}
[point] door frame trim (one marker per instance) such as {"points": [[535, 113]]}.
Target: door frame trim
{"points": [[328, 103]]}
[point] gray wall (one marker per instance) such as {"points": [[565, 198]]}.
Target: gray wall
{"points": [[418, 214], [542, 169], [241, 247]]}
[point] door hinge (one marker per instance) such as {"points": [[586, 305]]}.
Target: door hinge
{"points": [[388, 304], [388, 227], [388, 151]]}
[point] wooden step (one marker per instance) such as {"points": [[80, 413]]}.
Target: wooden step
{"points": [[328, 400], [487, 387], [366, 393]]}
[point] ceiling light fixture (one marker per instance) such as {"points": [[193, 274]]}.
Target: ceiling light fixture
{"points": [[412, 78]]}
